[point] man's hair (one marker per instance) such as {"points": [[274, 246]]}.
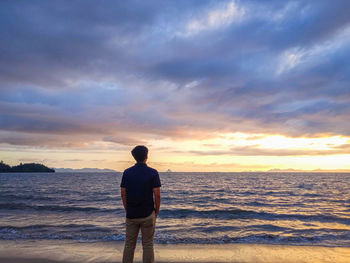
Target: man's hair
{"points": [[140, 153]]}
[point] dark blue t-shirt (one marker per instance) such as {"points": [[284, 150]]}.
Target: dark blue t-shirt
{"points": [[139, 181]]}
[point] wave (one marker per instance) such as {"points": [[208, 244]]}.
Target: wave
{"points": [[325, 240], [105, 234], [228, 214], [56, 208], [259, 204], [15, 197], [89, 198], [248, 214], [82, 227]]}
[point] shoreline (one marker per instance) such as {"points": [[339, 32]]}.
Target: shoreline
{"points": [[58, 251]]}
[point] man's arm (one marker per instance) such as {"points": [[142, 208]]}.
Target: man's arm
{"points": [[156, 192], [123, 194]]}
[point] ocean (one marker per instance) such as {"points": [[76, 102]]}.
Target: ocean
{"points": [[310, 209]]}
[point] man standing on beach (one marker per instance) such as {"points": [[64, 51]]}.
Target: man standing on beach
{"points": [[139, 184]]}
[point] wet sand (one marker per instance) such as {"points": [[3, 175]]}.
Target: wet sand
{"points": [[73, 252]]}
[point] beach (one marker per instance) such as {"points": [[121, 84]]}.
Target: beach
{"points": [[72, 252]]}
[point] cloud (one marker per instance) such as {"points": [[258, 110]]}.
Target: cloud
{"points": [[213, 19], [29, 139], [124, 140], [208, 167], [254, 150], [118, 72]]}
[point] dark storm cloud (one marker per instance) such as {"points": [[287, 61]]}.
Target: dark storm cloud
{"points": [[115, 71], [49, 43]]}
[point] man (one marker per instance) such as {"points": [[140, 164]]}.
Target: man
{"points": [[139, 184]]}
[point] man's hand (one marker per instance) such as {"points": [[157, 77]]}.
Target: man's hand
{"points": [[123, 194], [157, 198]]}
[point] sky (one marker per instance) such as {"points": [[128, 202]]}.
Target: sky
{"points": [[206, 85]]}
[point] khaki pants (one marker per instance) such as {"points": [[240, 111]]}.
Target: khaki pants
{"points": [[147, 225]]}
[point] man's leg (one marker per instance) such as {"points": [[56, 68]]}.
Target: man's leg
{"points": [[132, 231], [147, 230]]}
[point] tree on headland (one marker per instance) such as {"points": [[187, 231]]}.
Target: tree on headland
{"points": [[25, 168], [5, 168]]}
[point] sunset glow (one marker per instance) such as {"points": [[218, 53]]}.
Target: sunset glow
{"points": [[223, 152]]}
